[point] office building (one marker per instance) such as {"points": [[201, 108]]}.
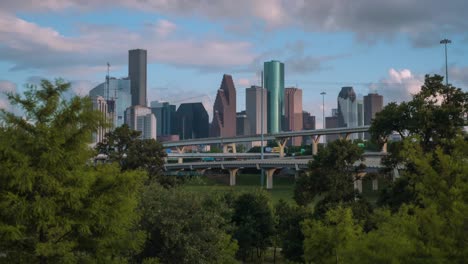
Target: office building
{"points": [[347, 109], [224, 110], [360, 116], [242, 124], [100, 104], [274, 83], [253, 109], [137, 73], [293, 113], [308, 123], [192, 121], [141, 118], [373, 103], [165, 114], [117, 93], [331, 122]]}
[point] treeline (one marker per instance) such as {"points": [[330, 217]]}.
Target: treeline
{"points": [[57, 205]]}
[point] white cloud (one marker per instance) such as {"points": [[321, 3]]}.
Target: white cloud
{"points": [[398, 86], [6, 87], [28, 45], [165, 27], [459, 75], [421, 21]]}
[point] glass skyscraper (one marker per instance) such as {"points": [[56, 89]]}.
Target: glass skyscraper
{"points": [[274, 83], [119, 92]]}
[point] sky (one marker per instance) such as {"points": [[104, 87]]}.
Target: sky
{"points": [[372, 45]]}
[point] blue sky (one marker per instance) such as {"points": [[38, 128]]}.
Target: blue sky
{"points": [[383, 46]]}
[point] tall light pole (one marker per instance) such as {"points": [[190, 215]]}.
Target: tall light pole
{"points": [[323, 108], [445, 42]]}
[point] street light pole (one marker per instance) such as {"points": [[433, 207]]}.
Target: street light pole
{"points": [[323, 108], [445, 42]]}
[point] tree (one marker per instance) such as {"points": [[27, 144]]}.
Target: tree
{"points": [[183, 227], [327, 241], [332, 174], [434, 118], [436, 114], [254, 224], [289, 230], [124, 147], [54, 207]]}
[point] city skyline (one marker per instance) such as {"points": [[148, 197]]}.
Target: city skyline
{"points": [[75, 41]]}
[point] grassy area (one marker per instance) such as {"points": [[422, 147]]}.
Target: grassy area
{"points": [[283, 187]]}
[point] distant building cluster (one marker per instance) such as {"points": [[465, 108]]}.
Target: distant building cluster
{"points": [[269, 108]]}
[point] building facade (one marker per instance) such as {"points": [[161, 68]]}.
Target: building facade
{"points": [[293, 113], [118, 91], [141, 118], [192, 121], [331, 122], [165, 114], [274, 83], [373, 103], [348, 109], [100, 104], [137, 62], [308, 122], [254, 111], [224, 109], [360, 116]]}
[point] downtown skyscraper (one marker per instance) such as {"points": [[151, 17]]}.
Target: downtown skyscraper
{"points": [[273, 72], [137, 62], [253, 109], [293, 112], [373, 103], [224, 109]]}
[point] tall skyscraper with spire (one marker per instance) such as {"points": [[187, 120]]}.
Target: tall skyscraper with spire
{"points": [[137, 73], [224, 109]]}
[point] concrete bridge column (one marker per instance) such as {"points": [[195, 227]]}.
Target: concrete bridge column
{"points": [[227, 146], [315, 141], [384, 140], [358, 181], [181, 150], [269, 173], [281, 144], [232, 176]]}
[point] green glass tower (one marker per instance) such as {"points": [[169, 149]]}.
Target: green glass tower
{"points": [[274, 83]]}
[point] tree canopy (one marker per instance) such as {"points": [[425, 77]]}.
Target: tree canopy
{"points": [[54, 207]]}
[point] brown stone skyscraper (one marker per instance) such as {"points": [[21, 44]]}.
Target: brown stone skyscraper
{"points": [[373, 103], [224, 110], [293, 112]]}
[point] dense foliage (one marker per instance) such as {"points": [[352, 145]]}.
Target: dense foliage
{"points": [[53, 206]]}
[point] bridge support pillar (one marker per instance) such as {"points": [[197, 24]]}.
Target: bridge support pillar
{"points": [[269, 173], [232, 176], [227, 146], [281, 144], [181, 150], [384, 147], [315, 141]]}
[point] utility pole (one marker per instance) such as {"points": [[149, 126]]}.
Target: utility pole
{"points": [[445, 42], [262, 178]]}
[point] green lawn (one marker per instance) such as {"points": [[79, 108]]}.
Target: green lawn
{"points": [[283, 187]]}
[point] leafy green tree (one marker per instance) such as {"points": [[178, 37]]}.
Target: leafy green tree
{"points": [[117, 143], [435, 116], [289, 230], [124, 146], [328, 241], [185, 228], [332, 174], [254, 224], [54, 207]]}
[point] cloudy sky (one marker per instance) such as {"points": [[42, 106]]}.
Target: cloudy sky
{"points": [[383, 46]]}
